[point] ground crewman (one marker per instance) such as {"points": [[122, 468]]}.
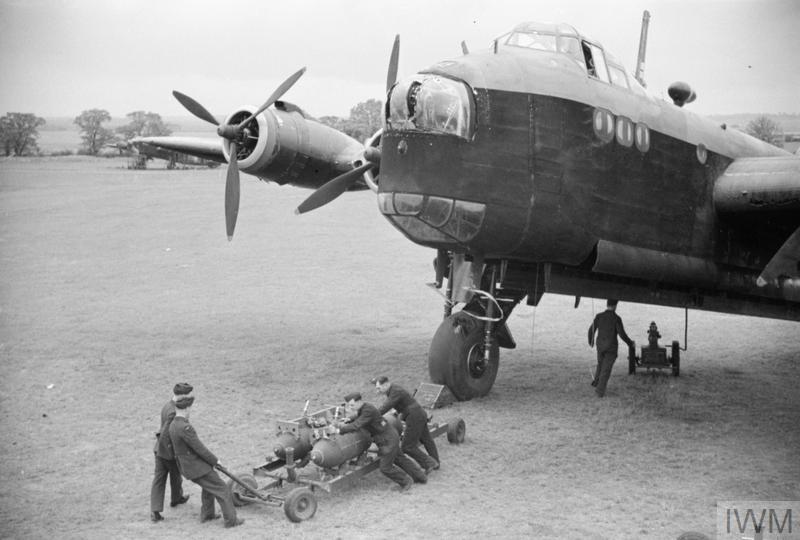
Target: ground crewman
{"points": [[416, 430], [607, 325], [197, 463]]}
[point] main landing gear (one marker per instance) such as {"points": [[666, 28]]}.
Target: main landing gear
{"points": [[465, 351]]}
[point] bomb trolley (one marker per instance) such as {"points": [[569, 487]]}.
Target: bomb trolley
{"points": [[310, 456], [654, 356]]}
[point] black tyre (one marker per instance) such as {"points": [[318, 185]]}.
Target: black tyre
{"points": [[456, 430], [676, 359], [237, 491], [456, 357], [300, 504]]}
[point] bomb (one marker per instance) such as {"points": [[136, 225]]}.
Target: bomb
{"points": [[335, 449]]}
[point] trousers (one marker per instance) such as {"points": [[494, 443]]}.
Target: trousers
{"points": [[417, 432], [215, 488], [164, 468], [605, 362], [388, 444]]}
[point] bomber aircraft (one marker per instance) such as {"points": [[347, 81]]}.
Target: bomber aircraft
{"points": [[141, 151], [542, 165]]}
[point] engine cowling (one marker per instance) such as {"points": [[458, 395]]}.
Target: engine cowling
{"points": [[287, 147]]}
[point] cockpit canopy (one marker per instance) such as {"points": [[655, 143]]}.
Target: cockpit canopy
{"points": [[564, 39], [431, 103]]}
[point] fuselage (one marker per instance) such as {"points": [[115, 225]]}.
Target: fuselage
{"points": [[560, 166]]}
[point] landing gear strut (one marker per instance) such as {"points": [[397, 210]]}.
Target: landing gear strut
{"points": [[464, 354], [458, 357]]}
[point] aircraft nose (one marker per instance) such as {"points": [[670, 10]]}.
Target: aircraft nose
{"points": [[432, 219]]}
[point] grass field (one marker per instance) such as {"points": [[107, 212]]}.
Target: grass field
{"points": [[118, 283]]}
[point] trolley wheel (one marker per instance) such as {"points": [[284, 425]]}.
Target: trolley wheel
{"points": [[676, 359], [456, 428], [237, 491], [300, 504]]}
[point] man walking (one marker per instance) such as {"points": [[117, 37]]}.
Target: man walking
{"points": [[416, 420], [165, 461], [196, 463], [607, 326]]}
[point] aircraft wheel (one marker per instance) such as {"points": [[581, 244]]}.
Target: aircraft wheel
{"points": [[676, 359], [456, 429], [300, 504], [456, 358], [237, 491]]}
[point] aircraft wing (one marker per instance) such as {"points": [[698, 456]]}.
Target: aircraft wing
{"points": [[754, 191], [202, 147]]}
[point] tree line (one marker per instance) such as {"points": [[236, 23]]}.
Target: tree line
{"points": [[19, 131]]}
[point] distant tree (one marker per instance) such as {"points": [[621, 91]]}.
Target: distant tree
{"points": [[143, 124], [766, 129], [365, 119], [94, 135], [336, 122], [18, 133]]}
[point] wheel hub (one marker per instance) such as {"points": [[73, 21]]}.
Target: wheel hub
{"points": [[476, 363]]}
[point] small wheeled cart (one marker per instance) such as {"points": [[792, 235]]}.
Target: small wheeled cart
{"points": [[654, 356], [310, 456]]}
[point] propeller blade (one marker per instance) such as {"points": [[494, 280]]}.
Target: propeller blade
{"points": [[276, 95], [332, 189], [391, 76], [232, 193], [195, 108]]}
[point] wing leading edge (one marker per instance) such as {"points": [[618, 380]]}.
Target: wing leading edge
{"points": [[201, 147]]}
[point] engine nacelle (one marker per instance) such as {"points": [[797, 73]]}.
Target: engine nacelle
{"points": [[286, 147]]}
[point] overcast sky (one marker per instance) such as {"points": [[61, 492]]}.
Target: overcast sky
{"points": [[60, 57]]}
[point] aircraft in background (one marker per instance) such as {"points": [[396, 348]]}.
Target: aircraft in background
{"points": [[541, 166], [140, 152]]}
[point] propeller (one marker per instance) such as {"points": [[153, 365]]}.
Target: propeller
{"points": [[333, 188], [235, 134], [391, 76]]}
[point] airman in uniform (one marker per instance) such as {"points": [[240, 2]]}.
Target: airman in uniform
{"points": [[197, 463], [607, 326], [393, 463], [416, 421], [166, 465]]}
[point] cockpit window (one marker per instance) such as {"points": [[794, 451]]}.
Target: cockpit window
{"points": [[618, 77], [572, 47], [533, 40], [595, 61], [427, 102]]}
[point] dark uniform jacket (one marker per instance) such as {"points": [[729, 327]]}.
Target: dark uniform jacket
{"points": [[194, 459], [608, 326], [163, 448], [369, 419], [399, 399]]}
